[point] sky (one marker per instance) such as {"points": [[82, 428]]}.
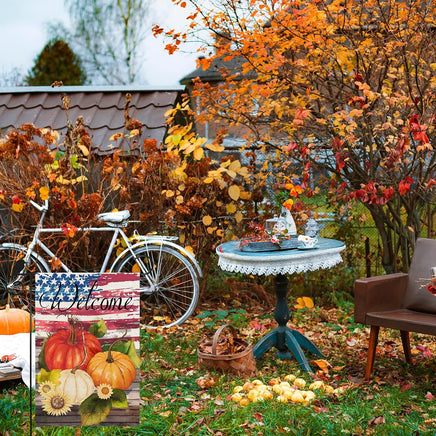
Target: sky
{"points": [[23, 36]]}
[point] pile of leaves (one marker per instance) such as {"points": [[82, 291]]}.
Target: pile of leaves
{"points": [[225, 345]]}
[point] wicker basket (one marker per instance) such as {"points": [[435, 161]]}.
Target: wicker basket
{"points": [[241, 363]]}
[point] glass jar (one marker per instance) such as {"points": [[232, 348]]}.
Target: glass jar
{"points": [[311, 228]]}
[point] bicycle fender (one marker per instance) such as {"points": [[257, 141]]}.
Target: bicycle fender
{"points": [[24, 249], [160, 240]]}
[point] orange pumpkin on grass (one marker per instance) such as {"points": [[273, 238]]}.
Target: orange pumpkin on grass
{"points": [[13, 321]]}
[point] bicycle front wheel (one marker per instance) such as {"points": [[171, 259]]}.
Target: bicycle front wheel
{"points": [[169, 287], [16, 276]]}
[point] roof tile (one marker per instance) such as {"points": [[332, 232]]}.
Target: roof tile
{"points": [[102, 109]]}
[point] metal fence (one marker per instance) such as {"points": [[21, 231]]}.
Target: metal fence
{"points": [[365, 253]]}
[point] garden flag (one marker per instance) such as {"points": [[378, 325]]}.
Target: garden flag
{"points": [[87, 343]]}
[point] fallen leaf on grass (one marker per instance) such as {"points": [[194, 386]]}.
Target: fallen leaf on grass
{"points": [[205, 382], [377, 421], [351, 342], [258, 417], [322, 364], [166, 413], [429, 396], [405, 386], [304, 302]]}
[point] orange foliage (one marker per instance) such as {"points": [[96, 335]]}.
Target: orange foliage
{"points": [[350, 86]]}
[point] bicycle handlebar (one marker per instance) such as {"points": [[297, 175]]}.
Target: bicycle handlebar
{"points": [[43, 208]]}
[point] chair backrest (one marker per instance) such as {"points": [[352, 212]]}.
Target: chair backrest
{"points": [[417, 296]]}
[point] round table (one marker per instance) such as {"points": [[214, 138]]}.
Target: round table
{"points": [[286, 340]]}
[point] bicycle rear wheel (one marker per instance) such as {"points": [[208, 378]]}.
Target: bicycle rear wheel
{"points": [[169, 287], [16, 277]]}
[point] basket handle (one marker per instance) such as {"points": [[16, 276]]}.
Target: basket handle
{"points": [[218, 333]]}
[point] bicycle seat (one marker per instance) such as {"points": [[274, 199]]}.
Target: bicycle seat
{"points": [[115, 219]]}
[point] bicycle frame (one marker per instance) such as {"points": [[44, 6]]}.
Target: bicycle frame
{"points": [[169, 272], [117, 231]]}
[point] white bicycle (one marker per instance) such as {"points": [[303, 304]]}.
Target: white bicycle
{"points": [[169, 274]]}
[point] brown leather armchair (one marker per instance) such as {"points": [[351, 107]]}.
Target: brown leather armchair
{"points": [[398, 301]]}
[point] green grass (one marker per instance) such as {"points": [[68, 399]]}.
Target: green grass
{"points": [[173, 400]]}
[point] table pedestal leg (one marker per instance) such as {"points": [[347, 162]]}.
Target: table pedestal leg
{"points": [[289, 342]]}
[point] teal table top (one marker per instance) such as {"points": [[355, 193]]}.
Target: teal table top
{"points": [[325, 255]]}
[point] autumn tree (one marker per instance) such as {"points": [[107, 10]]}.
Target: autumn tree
{"points": [[346, 87], [108, 36], [56, 62]]}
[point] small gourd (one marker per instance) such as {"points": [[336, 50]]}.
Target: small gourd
{"points": [[113, 368], [13, 321]]}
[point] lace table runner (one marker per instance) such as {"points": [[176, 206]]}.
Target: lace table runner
{"points": [[325, 255]]}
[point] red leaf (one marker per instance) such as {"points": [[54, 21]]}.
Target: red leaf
{"points": [[429, 396], [404, 186], [404, 387], [258, 417]]}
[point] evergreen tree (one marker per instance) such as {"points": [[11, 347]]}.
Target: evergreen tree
{"points": [[56, 62]]}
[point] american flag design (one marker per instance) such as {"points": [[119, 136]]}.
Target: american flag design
{"points": [[88, 298]]}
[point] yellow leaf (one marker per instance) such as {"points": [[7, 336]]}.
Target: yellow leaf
{"points": [[134, 132], [231, 208], [243, 171], [44, 192], [238, 216], [81, 179], [115, 136], [210, 230], [182, 239], [219, 232], [234, 192], [304, 302], [169, 193], [198, 153], [84, 150], [245, 195], [213, 146], [323, 364], [208, 180], [135, 167], [207, 220], [136, 268], [17, 207], [167, 412], [63, 181], [169, 112], [235, 166], [190, 249], [179, 199]]}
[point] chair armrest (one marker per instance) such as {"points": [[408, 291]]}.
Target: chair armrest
{"points": [[378, 294]]}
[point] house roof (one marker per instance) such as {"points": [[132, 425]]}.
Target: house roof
{"points": [[102, 109], [214, 72]]}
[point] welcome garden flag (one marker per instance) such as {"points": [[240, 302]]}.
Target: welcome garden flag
{"points": [[87, 343]]}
